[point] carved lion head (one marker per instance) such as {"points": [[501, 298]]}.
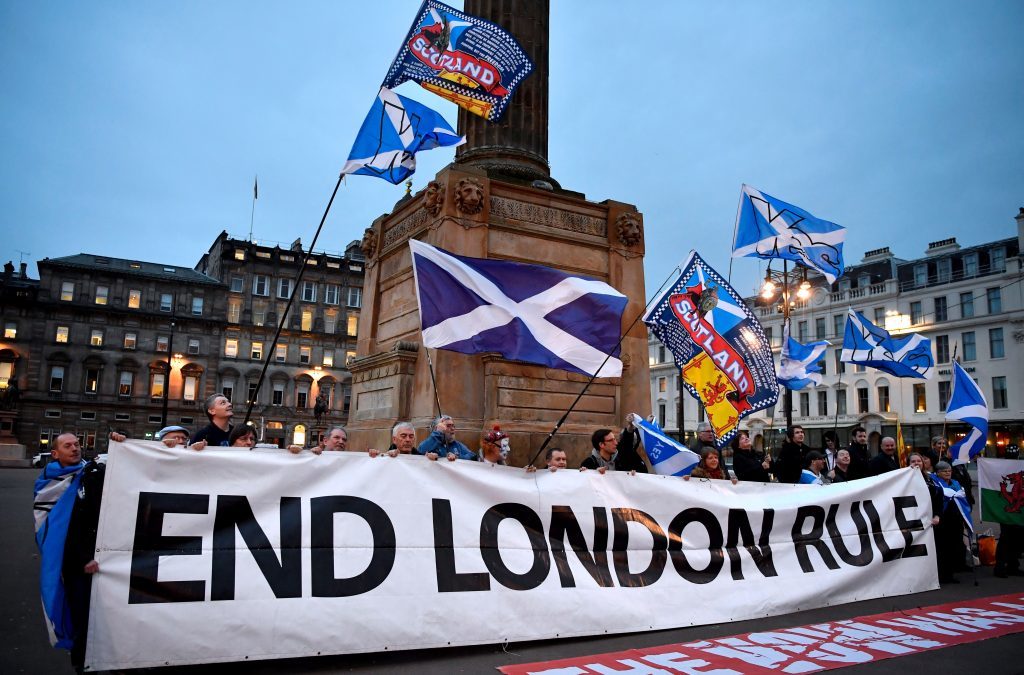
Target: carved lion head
{"points": [[433, 198], [629, 230], [469, 196]]}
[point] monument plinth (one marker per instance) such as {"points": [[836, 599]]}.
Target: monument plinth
{"points": [[497, 201]]}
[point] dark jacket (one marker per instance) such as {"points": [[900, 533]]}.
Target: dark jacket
{"points": [[858, 461], [790, 461], [882, 463], [627, 456], [596, 461], [746, 464]]}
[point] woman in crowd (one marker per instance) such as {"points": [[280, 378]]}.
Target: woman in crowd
{"points": [[840, 473], [949, 533], [242, 436], [746, 464], [710, 467]]}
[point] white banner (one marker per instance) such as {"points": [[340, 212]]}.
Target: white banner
{"points": [[231, 555]]}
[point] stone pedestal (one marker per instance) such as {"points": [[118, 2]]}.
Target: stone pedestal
{"points": [[467, 213]]}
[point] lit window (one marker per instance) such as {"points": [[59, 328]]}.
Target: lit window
{"points": [[162, 343], [259, 312], [96, 338], [6, 373], [281, 353], [193, 346], [307, 320], [92, 380], [134, 299], [662, 385], [328, 358], [263, 254], [189, 387], [67, 291], [353, 322], [257, 351], [304, 354], [349, 356], [129, 340], [10, 330], [239, 254], [62, 334], [197, 306], [166, 300], [102, 292], [156, 385], [234, 310], [124, 387], [920, 400], [231, 347], [299, 435]]}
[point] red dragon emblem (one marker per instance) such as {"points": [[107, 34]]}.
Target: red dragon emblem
{"points": [[1014, 496]]}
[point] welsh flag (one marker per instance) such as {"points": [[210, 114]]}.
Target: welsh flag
{"points": [[1002, 490]]}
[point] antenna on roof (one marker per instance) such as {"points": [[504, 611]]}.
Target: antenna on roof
{"points": [[22, 254], [255, 196]]}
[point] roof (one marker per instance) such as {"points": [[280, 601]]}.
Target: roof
{"points": [[137, 268]]}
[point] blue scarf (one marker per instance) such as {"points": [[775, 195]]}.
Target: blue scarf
{"points": [[55, 491]]}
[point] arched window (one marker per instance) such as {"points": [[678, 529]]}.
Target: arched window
{"points": [[299, 435]]}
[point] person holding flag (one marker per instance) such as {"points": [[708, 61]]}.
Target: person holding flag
{"points": [[949, 533], [967, 404]]}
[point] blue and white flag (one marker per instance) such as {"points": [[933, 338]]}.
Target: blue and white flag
{"points": [[959, 498], [55, 491], [392, 133], [967, 404], [767, 227], [798, 365], [668, 457], [868, 345], [524, 312]]}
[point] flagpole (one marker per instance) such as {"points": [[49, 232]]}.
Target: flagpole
{"points": [[593, 377], [948, 445], [291, 298], [430, 366], [255, 196]]}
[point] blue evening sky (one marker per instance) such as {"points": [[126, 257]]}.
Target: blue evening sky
{"points": [[134, 129]]}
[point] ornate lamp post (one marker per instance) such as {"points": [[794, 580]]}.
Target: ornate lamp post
{"points": [[787, 285]]}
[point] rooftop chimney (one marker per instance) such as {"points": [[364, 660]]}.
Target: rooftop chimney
{"points": [[1020, 230], [942, 246], [24, 272]]}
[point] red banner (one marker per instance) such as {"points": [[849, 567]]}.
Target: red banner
{"points": [[812, 648]]}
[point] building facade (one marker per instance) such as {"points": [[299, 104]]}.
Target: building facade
{"points": [[101, 343], [969, 301]]}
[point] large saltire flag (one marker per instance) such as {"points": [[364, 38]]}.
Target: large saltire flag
{"points": [[392, 133], [667, 456], [767, 227], [523, 312], [720, 346], [959, 498], [1001, 482], [967, 404], [465, 59], [799, 363], [868, 345]]}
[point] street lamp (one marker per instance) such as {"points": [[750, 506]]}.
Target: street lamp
{"points": [[789, 285]]}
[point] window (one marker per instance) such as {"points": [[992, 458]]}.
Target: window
{"points": [[328, 358], [838, 324], [970, 347], [260, 285], [971, 265], [239, 254], [250, 396], [287, 258], [122, 417], [52, 412], [189, 387], [67, 291], [6, 372], [96, 338], [350, 355], [257, 351], [231, 347], [284, 288], [823, 402], [330, 321], [155, 419], [840, 366], [944, 390], [124, 385], [995, 300], [62, 334], [945, 269], [277, 396], [304, 353], [309, 291], [57, 378], [802, 331], [863, 281], [193, 346], [197, 306], [883, 398], [940, 309], [163, 343], [88, 415], [880, 316], [234, 310], [942, 349], [997, 259], [967, 304], [915, 313], [10, 330], [999, 392], [332, 294], [92, 380], [920, 400], [299, 435], [302, 395], [995, 343], [102, 293], [662, 385], [166, 302], [307, 319], [840, 401], [236, 284], [921, 274], [353, 322], [134, 298], [259, 312], [805, 404], [355, 297], [227, 388], [156, 385], [862, 399], [661, 415], [281, 352]]}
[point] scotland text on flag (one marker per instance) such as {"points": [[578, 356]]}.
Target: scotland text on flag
{"points": [[392, 133], [767, 227], [967, 404], [798, 365], [524, 312], [866, 344], [667, 457]]}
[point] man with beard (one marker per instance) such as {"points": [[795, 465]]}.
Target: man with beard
{"points": [[792, 456], [858, 454], [442, 442]]}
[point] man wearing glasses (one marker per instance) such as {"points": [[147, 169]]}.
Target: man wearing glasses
{"points": [[603, 456]]}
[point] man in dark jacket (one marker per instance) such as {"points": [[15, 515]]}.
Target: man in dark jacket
{"points": [[858, 454], [790, 462], [885, 461]]}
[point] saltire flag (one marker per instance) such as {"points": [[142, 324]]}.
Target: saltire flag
{"points": [[55, 491], [1001, 482], [667, 456], [868, 345], [718, 343], [799, 364], [256, 188], [959, 497], [767, 227], [967, 404], [395, 129], [469, 61], [524, 312]]}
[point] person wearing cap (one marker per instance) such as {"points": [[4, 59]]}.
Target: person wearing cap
{"points": [[814, 472], [949, 533], [441, 441], [173, 436], [494, 447], [885, 461], [791, 459], [219, 412]]}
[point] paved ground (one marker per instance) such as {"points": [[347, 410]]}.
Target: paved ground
{"points": [[26, 650]]}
